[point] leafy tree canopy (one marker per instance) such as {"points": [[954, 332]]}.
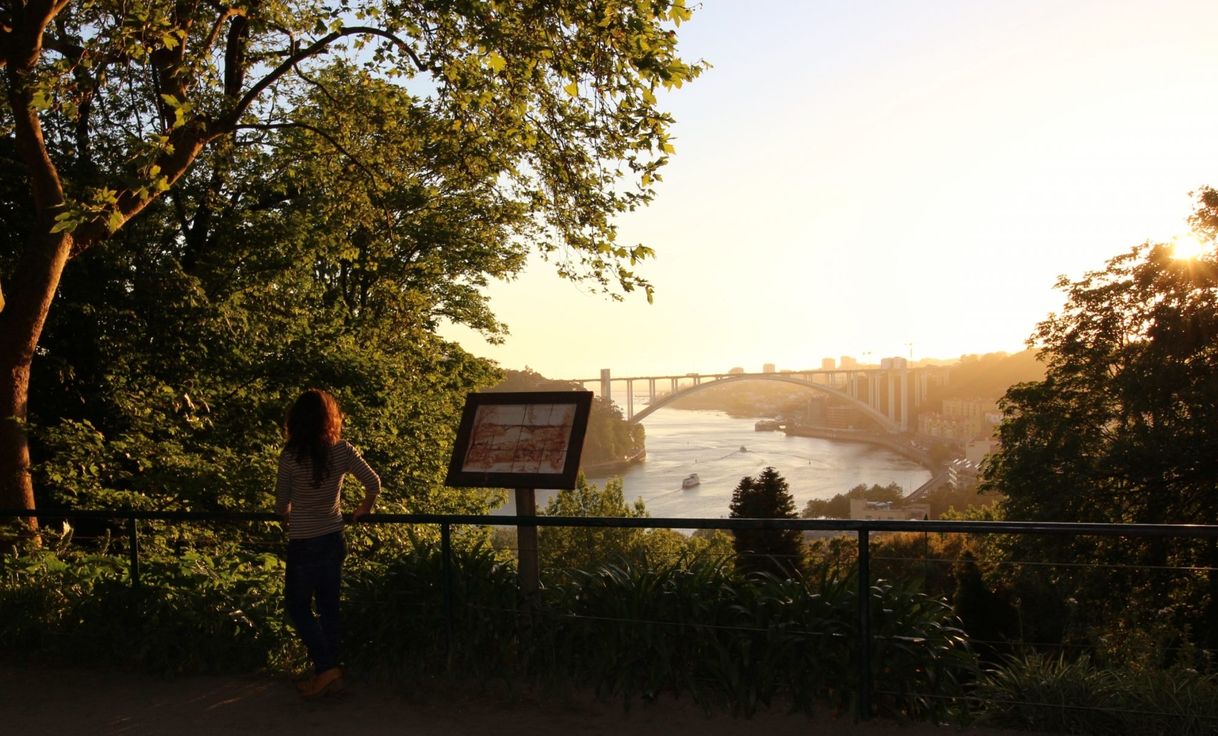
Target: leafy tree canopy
{"points": [[1121, 430], [574, 548], [838, 507], [310, 180], [1121, 427], [557, 100]]}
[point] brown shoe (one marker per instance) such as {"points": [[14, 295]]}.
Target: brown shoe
{"points": [[323, 683]]}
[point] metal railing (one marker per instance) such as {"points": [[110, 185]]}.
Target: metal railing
{"points": [[862, 530]]}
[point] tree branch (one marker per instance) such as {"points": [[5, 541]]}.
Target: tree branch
{"points": [[24, 40], [317, 47], [218, 27], [318, 132]]}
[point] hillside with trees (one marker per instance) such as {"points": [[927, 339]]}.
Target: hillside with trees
{"points": [[986, 377]]}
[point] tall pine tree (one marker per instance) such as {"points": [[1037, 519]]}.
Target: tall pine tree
{"points": [[777, 551]]}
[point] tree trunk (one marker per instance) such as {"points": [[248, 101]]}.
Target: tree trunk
{"points": [[32, 287], [21, 325], [16, 488]]}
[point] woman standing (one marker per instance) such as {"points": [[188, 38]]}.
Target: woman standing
{"points": [[308, 493]]}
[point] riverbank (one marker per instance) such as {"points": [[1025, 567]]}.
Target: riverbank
{"points": [[895, 444], [614, 467]]}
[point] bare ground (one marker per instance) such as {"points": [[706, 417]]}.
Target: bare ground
{"points": [[67, 700]]}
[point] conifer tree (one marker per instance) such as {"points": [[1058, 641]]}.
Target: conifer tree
{"points": [[776, 551]]}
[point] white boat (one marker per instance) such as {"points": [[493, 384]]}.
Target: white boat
{"points": [[691, 480]]}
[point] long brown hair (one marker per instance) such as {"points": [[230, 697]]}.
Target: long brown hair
{"points": [[314, 424]]}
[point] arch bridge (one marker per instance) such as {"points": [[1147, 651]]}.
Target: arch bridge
{"points": [[886, 395]]}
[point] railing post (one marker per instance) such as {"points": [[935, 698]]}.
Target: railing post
{"points": [[134, 550], [446, 549], [527, 571], [864, 625]]}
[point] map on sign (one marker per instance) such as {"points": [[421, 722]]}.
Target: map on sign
{"points": [[531, 438], [528, 439]]}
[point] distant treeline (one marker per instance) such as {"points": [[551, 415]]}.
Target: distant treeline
{"points": [[986, 377]]}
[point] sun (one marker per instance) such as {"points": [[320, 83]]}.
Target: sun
{"points": [[1187, 248]]}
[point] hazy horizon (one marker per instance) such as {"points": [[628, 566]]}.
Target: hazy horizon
{"points": [[889, 178]]}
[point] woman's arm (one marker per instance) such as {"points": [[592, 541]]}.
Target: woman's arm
{"points": [[283, 485], [370, 480]]}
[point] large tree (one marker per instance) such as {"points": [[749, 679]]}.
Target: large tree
{"points": [[163, 371], [111, 106], [1121, 429]]}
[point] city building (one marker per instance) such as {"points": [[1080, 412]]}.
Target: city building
{"points": [[961, 420], [882, 510]]}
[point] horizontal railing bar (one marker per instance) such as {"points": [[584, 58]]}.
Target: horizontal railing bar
{"points": [[1065, 528]]}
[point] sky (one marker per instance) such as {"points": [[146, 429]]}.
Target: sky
{"points": [[889, 178]]}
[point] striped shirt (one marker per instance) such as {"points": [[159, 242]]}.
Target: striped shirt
{"points": [[316, 510]]}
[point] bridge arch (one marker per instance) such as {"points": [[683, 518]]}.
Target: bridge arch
{"points": [[660, 402]]}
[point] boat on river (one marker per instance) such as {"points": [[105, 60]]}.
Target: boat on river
{"points": [[691, 481]]}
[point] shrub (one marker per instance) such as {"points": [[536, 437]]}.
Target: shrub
{"points": [[1060, 695], [630, 629]]}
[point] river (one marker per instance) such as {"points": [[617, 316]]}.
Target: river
{"points": [[722, 449]]}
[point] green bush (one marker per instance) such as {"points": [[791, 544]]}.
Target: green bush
{"points": [[394, 613], [632, 630], [195, 611], [1061, 695], [745, 643]]}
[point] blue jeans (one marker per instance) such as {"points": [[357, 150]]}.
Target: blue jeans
{"points": [[315, 571]]}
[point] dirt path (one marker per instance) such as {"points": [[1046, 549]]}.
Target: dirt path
{"points": [[59, 700]]}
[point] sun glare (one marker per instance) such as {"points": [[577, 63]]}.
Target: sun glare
{"points": [[1188, 247]]}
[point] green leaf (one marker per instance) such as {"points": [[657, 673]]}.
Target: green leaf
{"points": [[64, 222], [496, 62], [41, 100]]}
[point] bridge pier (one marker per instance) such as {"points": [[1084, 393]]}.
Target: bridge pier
{"points": [[892, 396], [905, 400]]}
